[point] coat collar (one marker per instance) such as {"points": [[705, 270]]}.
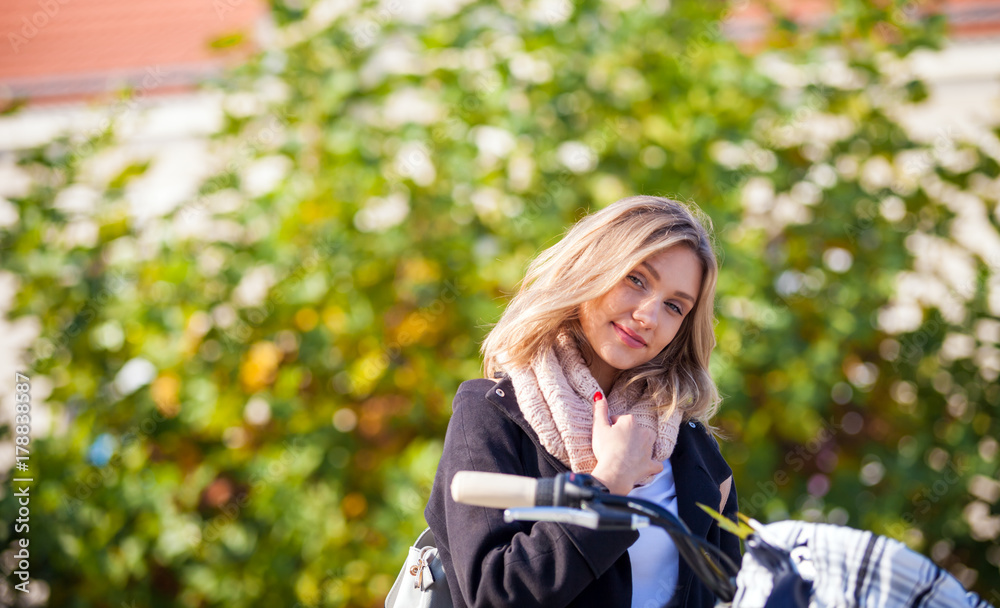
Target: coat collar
{"points": [[502, 395]]}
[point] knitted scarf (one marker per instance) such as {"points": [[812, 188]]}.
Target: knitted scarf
{"points": [[556, 393]]}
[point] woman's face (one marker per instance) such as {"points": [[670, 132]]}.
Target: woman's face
{"points": [[638, 317]]}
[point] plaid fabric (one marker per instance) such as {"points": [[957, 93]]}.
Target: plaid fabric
{"points": [[842, 568]]}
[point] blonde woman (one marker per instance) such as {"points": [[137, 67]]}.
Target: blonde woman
{"points": [[598, 365]]}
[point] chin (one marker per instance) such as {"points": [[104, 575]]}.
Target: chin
{"points": [[624, 363], [631, 365]]}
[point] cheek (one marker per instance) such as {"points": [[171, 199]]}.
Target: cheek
{"points": [[670, 333], [620, 299], [588, 316], [599, 308]]}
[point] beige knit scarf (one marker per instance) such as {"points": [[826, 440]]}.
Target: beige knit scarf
{"points": [[556, 394]]}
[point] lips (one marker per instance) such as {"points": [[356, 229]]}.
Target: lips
{"points": [[629, 337]]}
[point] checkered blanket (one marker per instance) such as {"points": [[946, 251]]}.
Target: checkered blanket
{"points": [[797, 564]]}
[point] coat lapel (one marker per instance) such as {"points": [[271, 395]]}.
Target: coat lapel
{"points": [[695, 484], [502, 396]]}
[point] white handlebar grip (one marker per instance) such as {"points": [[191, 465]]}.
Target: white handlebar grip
{"points": [[497, 490]]}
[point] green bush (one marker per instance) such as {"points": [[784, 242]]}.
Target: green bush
{"points": [[249, 393]]}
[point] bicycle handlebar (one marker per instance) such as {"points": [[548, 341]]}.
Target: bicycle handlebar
{"points": [[579, 499]]}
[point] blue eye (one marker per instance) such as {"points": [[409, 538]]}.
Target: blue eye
{"points": [[638, 282]]}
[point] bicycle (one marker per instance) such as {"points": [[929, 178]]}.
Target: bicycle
{"points": [[787, 564]]}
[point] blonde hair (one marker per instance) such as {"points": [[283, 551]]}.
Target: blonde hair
{"points": [[597, 253]]}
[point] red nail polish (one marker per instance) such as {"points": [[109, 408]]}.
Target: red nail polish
{"points": [[597, 396]]}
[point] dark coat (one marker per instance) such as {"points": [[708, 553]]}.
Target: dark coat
{"points": [[522, 564]]}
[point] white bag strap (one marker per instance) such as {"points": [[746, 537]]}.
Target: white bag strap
{"points": [[426, 539]]}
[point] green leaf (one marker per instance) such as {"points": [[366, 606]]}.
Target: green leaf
{"points": [[132, 170], [740, 529], [227, 41]]}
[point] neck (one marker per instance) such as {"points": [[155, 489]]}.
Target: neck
{"points": [[602, 372]]}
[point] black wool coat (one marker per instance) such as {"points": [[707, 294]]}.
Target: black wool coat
{"points": [[489, 562]]}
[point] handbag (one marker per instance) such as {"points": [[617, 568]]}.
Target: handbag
{"points": [[421, 583]]}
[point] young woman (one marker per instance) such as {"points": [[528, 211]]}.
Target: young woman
{"points": [[598, 365]]}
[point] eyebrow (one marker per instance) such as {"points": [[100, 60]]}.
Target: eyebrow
{"points": [[679, 294]]}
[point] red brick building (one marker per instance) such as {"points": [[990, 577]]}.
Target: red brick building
{"points": [[57, 50]]}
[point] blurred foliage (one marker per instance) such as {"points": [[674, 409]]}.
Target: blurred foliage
{"points": [[248, 394]]}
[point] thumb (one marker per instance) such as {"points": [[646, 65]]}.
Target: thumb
{"points": [[654, 467], [601, 410]]}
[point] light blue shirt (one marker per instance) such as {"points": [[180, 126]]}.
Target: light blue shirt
{"points": [[654, 556]]}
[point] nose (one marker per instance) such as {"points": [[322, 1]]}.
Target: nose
{"points": [[646, 313]]}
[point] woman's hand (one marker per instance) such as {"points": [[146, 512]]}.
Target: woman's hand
{"points": [[624, 450]]}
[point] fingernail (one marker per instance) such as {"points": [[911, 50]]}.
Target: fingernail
{"points": [[597, 396]]}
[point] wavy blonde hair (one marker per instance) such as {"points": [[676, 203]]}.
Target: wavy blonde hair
{"points": [[597, 253]]}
